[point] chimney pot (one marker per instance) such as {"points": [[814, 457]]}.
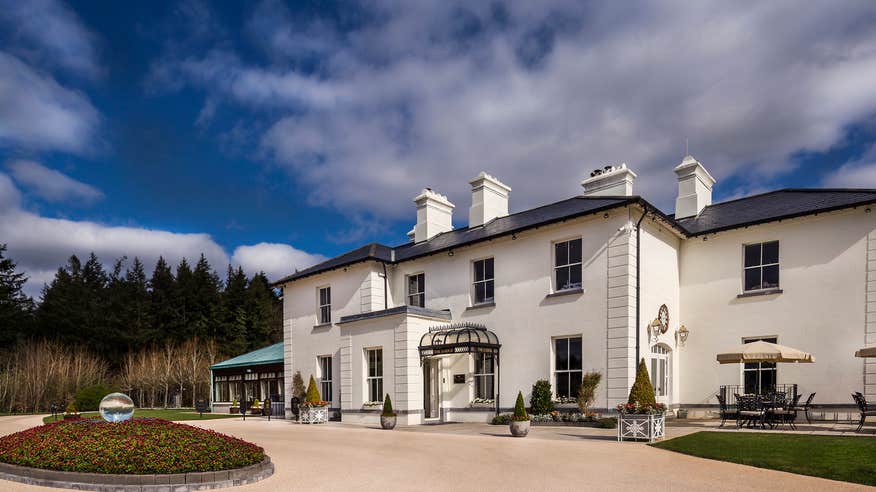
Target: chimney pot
{"points": [[434, 215], [489, 199], [610, 181], [694, 188]]}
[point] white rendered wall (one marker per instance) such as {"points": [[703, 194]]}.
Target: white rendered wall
{"points": [[823, 267]]}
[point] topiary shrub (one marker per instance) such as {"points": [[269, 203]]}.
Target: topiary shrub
{"points": [[387, 407], [72, 409], [501, 419], [541, 402], [520, 409], [642, 392], [312, 392], [88, 398], [587, 392], [298, 386]]}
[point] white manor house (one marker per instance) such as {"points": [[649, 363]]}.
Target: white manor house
{"points": [[453, 323]]}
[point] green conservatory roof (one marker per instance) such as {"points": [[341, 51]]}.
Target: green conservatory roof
{"points": [[272, 354]]}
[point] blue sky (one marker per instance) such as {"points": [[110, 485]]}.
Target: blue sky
{"points": [[273, 134]]}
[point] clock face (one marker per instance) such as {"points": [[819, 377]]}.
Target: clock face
{"points": [[663, 318]]}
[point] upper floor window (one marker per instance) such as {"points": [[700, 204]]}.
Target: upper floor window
{"points": [[325, 305], [567, 264], [483, 281], [567, 366], [761, 269], [417, 290]]}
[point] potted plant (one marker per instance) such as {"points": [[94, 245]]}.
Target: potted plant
{"points": [[314, 410], [72, 412], [641, 417], [256, 407], [520, 420], [388, 416], [235, 407]]}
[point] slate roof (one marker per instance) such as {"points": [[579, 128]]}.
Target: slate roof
{"points": [[772, 206], [742, 212], [272, 354]]}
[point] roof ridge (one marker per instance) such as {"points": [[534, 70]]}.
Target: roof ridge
{"points": [[786, 190]]}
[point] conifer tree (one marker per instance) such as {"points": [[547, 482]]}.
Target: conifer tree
{"points": [[16, 308], [162, 306], [642, 390]]}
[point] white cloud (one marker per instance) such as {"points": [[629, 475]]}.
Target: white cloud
{"points": [[541, 93], [42, 244], [50, 184], [276, 260], [859, 173], [38, 113], [48, 33]]}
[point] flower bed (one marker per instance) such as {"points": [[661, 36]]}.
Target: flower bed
{"points": [[137, 446]]}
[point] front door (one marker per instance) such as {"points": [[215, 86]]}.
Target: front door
{"points": [[661, 373], [431, 389]]}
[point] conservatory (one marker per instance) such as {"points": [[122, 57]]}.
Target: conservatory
{"points": [[257, 375]]}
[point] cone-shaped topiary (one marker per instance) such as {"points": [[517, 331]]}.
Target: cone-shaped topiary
{"points": [[312, 392], [520, 408], [387, 407], [642, 390]]}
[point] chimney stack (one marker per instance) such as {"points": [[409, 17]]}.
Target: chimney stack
{"points": [[610, 181], [434, 215], [489, 199], [694, 188]]}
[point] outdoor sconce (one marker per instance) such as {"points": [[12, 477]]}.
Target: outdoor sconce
{"points": [[682, 334]]}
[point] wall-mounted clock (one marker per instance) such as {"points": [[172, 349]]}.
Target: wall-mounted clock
{"points": [[663, 318]]}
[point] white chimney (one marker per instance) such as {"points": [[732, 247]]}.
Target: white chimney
{"points": [[489, 199], [694, 188], [610, 181], [434, 215]]}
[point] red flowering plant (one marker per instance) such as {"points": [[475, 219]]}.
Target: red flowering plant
{"points": [[638, 409], [137, 446]]}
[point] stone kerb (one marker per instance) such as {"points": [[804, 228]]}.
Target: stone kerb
{"points": [[178, 482]]}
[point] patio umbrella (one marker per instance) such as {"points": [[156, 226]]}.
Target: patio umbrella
{"points": [[866, 352], [761, 351]]}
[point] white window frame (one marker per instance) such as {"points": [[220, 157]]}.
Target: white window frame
{"points": [[762, 265], [324, 310], [377, 379], [568, 264], [420, 294], [478, 376], [486, 280], [554, 371], [325, 377], [759, 368]]}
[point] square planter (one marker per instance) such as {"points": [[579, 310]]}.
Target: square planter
{"points": [[640, 427], [313, 415]]}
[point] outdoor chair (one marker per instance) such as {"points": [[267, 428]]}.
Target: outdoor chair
{"points": [[786, 413], [750, 411], [805, 407], [727, 413], [864, 408]]}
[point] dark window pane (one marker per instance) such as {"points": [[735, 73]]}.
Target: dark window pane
{"points": [[562, 253], [562, 384], [575, 276], [421, 282], [574, 353], [488, 296], [575, 251], [478, 270], [323, 297], [752, 278], [574, 383], [562, 354], [562, 278], [328, 295], [770, 252], [422, 298], [770, 276], [480, 293], [488, 364], [752, 255], [751, 382], [412, 284], [488, 268], [767, 380]]}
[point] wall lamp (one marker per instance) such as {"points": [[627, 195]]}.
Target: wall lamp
{"points": [[450, 253], [682, 334]]}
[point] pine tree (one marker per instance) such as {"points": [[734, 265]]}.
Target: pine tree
{"points": [[62, 312], [264, 324], [162, 305], [642, 390], [182, 328], [204, 316], [16, 308], [235, 317]]}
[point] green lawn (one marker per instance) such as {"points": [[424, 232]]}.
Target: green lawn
{"points": [[169, 414], [850, 459]]}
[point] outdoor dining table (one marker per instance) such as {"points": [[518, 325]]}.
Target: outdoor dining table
{"points": [[771, 409]]}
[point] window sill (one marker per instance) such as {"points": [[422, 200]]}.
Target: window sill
{"points": [[481, 306], [322, 325], [566, 292], [755, 293]]}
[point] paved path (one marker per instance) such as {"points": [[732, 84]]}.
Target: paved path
{"points": [[476, 457]]}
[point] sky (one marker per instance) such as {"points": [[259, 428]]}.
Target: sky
{"points": [[275, 134]]}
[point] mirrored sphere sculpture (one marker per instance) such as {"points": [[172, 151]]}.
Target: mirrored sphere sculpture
{"points": [[116, 407]]}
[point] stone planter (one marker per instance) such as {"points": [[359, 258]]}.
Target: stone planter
{"points": [[234, 410], [388, 423], [519, 428], [72, 416], [313, 415], [640, 427]]}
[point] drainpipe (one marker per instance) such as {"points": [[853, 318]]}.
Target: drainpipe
{"points": [[385, 288], [639, 282]]}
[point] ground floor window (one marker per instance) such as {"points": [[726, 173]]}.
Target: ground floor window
{"points": [[374, 380], [567, 367], [485, 369], [248, 387], [325, 377], [760, 377]]}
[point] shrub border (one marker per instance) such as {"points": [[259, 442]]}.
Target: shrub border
{"points": [[177, 482]]}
